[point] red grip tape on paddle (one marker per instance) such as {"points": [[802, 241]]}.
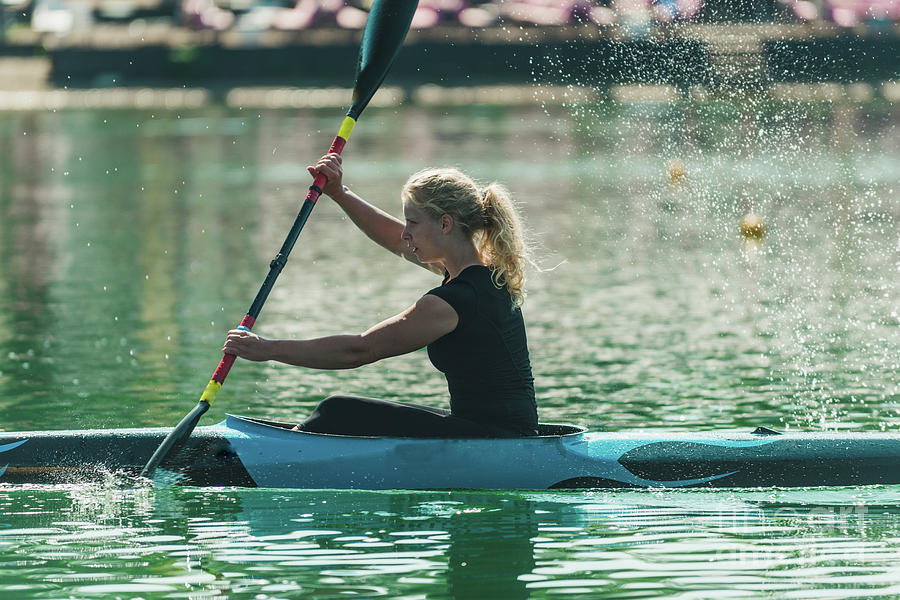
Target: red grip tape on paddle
{"points": [[337, 146], [228, 360], [318, 182]]}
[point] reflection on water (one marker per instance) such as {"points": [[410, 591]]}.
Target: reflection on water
{"points": [[104, 541], [130, 241]]}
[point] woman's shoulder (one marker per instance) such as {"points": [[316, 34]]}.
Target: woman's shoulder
{"points": [[459, 287], [459, 293]]}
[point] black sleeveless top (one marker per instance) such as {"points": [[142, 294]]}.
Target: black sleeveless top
{"points": [[485, 359]]}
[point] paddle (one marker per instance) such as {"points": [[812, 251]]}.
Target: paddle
{"points": [[385, 30]]}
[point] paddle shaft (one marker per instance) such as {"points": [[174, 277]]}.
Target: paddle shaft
{"points": [[277, 264], [183, 430], [385, 30]]}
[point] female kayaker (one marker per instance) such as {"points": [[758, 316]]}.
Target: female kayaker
{"points": [[471, 324]]}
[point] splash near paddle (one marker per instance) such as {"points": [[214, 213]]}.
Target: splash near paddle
{"points": [[385, 31]]}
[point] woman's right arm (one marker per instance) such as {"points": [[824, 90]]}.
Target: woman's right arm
{"points": [[381, 227]]}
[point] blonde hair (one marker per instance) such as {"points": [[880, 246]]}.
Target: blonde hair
{"points": [[489, 216]]}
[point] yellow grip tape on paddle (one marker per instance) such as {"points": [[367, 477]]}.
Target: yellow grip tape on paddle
{"points": [[346, 127], [209, 394]]}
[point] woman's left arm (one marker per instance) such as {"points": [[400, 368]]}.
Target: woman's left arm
{"points": [[421, 324]]}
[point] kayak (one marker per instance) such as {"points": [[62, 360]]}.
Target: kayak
{"points": [[251, 452]]}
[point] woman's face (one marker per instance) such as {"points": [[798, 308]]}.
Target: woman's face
{"points": [[422, 233]]}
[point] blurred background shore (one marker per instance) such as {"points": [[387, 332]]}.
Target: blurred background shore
{"points": [[106, 53]]}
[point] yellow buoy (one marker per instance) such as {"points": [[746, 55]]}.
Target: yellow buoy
{"points": [[752, 227], [676, 170]]}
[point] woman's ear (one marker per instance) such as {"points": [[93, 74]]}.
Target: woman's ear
{"points": [[446, 223]]}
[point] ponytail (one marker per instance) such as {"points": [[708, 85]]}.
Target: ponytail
{"points": [[502, 244]]}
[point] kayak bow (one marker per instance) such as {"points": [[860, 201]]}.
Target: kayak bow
{"points": [[242, 451]]}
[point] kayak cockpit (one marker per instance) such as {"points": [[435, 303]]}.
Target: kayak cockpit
{"points": [[545, 430]]}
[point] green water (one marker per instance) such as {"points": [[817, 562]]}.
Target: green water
{"points": [[256, 544], [130, 241]]}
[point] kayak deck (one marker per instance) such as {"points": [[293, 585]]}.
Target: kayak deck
{"points": [[248, 452]]}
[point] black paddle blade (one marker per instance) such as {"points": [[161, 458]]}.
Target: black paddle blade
{"points": [[176, 438], [385, 30]]}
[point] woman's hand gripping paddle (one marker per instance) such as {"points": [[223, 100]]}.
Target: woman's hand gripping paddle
{"points": [[384, 33]]}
